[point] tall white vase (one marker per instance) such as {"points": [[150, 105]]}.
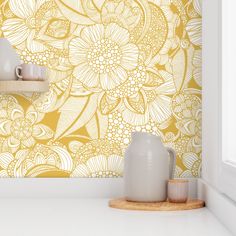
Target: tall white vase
{"points": [[9, 60], [148, 167]]}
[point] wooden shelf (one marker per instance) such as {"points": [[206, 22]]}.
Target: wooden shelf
{"points": [[17, 86], [155, 206]]}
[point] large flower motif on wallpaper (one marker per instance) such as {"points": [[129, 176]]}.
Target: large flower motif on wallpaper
{"points": [[22, 129], [115, 67], [187, 109], [23, 26], [41, 161], [153, 101], [102, 55]]}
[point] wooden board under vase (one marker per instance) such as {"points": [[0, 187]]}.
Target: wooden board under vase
{"points": [[17, 86], [121, 203]]}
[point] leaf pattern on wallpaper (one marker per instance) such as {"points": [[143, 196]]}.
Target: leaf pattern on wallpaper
{"points": [[75, 113], [97, 126], [114, 67], [179, 71]]}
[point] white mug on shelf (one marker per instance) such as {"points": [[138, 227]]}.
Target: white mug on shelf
{"points": [[43, 73], [31, 72]]}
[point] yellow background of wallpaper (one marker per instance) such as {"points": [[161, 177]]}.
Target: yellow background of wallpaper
{"points": [[115, 67]]}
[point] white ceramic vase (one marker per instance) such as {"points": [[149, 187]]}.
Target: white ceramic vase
{"points": [[148, 167], [9, 60]]}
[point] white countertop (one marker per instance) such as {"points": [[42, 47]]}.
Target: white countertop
{"points": [[87, 217]]}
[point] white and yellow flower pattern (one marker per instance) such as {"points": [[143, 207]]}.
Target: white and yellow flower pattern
{"points": [[102, 56], [22, 130], [100, 166], [115, 67], [23, 26], [41, 161]]}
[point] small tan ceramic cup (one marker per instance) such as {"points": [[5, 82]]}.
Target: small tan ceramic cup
{"points": [[178, 190]]}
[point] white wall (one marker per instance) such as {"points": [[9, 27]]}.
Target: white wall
{"points": [[211, 86]]}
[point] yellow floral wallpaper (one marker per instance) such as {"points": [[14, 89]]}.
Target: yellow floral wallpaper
{"points": [[115, 66]]}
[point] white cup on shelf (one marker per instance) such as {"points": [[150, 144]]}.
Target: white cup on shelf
{"points": [[31, 72]]}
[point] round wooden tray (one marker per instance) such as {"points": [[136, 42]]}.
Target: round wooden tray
{"points": [[121, 203]]}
